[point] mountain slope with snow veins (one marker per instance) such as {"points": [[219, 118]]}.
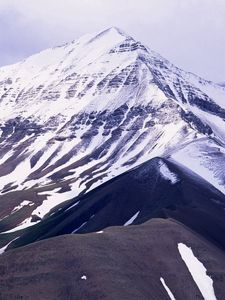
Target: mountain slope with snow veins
{"points": [[75, 116]]}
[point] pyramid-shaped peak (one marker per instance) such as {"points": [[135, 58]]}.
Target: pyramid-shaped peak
{"points": [[112, 33], [116, 30]]}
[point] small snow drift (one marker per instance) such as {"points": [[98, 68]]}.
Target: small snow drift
{"points": [[170, 294], [131, 220], [167, 174]]}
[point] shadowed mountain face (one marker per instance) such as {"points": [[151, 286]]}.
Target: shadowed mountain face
{"points": [[118, 263], [156, 189]]}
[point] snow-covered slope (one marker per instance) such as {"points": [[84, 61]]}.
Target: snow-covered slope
{"points": [[206, 158], [76, 115]]}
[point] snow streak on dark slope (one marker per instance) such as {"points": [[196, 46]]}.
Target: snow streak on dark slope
{"points": [[75, 116], [156, 189]]}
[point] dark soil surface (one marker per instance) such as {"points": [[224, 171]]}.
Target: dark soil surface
{"points": [[120, 263]]}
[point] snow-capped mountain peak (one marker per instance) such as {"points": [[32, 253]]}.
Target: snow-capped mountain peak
{"points": [[77, 115]]}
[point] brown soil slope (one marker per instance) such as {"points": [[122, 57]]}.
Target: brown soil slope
{"points": [[119, 263]]}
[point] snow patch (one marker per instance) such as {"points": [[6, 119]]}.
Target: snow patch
{"points": [[22, 204], [18, 175], [26, 223], [167, 174], [131, 220], [198, 272], [72, 206], [54, 198], [2, 250], [170, 294], [79, 227], [5, 157]]}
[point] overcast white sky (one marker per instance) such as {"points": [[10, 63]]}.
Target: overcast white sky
{"points": [[190, 33]]}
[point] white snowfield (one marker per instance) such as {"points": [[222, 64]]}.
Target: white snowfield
{"points": [[53, 198], [205, 158], [92, 109], [198, 272]]}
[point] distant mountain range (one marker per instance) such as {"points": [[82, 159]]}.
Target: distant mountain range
{"points": [[104, 132]]}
